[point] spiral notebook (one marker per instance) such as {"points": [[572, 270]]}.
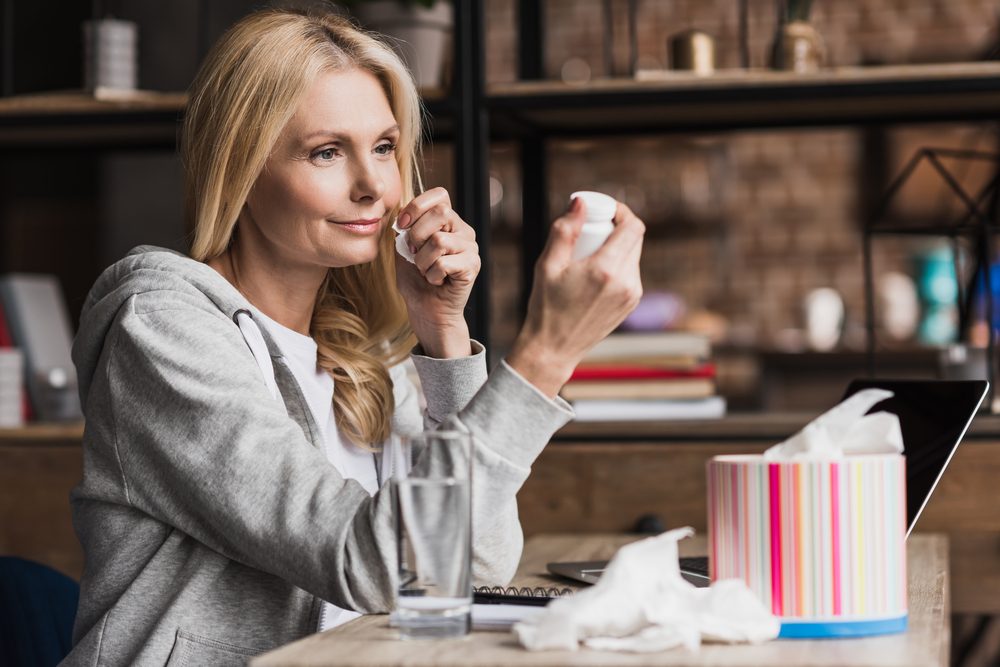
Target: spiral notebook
{"points": [[532, 597], [498, 608]]}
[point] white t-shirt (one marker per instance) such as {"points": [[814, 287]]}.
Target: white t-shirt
{"points": [[350, 460]]}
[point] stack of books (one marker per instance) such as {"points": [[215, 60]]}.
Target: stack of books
{"points": [[36, 321], [647, 376], [11, 378]]}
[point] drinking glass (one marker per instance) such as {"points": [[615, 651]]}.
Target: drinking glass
{"points": [[433, 500]]}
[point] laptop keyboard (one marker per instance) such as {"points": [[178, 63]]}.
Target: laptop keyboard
{"points": [[695, 564]]}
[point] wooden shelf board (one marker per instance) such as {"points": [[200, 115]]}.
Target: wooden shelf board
{"points": [[658, 80], [75, 102], [766, 427], [736, 426], [81, 103], [42, 433], [672, 101], [656, 101], [143, 119]]}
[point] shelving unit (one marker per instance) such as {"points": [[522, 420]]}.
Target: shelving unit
{"points": [[534, 110], [146, 120], [663, 102], [151, 121], [978, 223], [657, 102]]}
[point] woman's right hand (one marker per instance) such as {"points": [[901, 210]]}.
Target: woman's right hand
{"points": [[576, 304]]}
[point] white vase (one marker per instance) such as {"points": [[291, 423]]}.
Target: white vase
{"points": [[421, 36]]}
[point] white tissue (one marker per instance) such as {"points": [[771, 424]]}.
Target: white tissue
{"points": [[643, 604], [843, 431], [403, 243]]}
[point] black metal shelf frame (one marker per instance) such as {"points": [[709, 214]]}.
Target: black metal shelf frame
{"points": [[471, 132], [976, 223]]}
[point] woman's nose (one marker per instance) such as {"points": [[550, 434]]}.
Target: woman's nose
{"points": [[368, 183]]}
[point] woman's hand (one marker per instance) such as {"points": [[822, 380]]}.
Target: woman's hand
{"points": [[574, 305], [437, 287]]}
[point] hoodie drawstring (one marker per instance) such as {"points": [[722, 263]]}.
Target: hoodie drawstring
{"points": [[255, 341]]}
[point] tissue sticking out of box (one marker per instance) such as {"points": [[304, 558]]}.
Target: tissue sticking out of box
{"points": [[403, 242], [642, 604], [845, 430]]}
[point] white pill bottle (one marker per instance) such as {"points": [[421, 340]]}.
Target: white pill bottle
{"points": [[599, 213]]}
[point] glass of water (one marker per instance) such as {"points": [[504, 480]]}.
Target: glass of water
{"points": [[432, 492]]}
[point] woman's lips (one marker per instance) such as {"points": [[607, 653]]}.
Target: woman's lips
{"points": [[369, 226]]}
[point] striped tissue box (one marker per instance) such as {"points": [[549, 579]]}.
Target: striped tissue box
{"points": [[821, 542]]}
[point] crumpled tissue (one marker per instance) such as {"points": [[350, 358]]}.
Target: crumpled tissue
{"points": [[844, 430], [642, 604], [403, 243]]}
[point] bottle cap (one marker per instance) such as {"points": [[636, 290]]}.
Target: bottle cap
{"points": [[600, 207]]}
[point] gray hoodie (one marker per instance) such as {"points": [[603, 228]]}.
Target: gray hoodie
{"points": [[211, 521]]}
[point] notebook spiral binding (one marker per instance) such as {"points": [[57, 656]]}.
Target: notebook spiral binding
{"points": [[526, 592]]}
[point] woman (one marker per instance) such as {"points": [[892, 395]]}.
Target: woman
{"points": [[237, 399]]}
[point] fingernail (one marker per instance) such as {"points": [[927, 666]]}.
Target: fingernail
{"points": [[574, 204], [413, 249], [404, 221]]}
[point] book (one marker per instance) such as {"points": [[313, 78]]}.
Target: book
{"points": [[11, 391], [5, 337], [537, 596], [596, 410], [501, 616], [663, 344], [674, 388], [498, 608], [637, 372], [39, 324], [672, 362]]}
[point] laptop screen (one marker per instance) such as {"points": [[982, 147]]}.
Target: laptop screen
{"points": [[933, 416]]}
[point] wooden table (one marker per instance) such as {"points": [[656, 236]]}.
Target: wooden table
{"points": [[370, 642]]}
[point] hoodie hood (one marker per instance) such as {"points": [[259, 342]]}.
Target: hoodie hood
{"points": [[145, 269]]}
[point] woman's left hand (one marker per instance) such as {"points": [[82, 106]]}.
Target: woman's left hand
{"points": [[438, 286]]}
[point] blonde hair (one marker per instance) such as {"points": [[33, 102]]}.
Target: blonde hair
{"points": [[245, 93]]}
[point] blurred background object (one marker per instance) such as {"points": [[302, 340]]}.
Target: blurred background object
{"points": [[898, 306], [798, 46], [110, 56], [938, 290], [420, 30], [11, 383], [657, 311], [693, 51], [824, 317]]}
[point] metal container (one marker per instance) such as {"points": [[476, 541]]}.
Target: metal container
{"points": [[694, 51]]}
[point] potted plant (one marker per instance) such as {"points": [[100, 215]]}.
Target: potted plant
{"points": [[420, 30], [797, 46]]}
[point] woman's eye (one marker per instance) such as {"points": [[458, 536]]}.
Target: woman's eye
{"points": [[325, 154], [385, 149]]}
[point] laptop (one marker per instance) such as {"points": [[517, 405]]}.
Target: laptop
{"points": [[933, 416]]}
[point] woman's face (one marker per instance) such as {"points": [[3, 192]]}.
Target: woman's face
{"points": [[327, 188]]}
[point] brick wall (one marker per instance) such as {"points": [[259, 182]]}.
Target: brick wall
{"points": [[855, 32], [743, 224]]}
